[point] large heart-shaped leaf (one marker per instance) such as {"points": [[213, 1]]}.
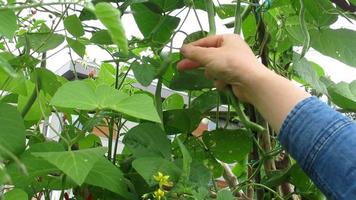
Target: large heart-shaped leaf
{"points": [[12, 131], [228, 145], [8, 24], [35, 166], [75, 164], [344, 95], [85, 95], [147, 139], [337, 44], [104, 174]]}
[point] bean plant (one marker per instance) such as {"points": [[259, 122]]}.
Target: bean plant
{"points": [[161, 158]]}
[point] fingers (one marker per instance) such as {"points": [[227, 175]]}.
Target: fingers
{"points": [[210, 41], [187, 64], [198, 54], [220, 84]]}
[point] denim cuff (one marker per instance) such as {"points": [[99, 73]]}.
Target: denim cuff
{"points": [[308, 128]]}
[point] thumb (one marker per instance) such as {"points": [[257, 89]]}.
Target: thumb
{"points": [[198, 54]]}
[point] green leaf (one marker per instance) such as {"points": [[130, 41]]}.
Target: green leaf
{"points": [[173, 102], [147, 139], [77, 46], [195, 36], [144, 73], [41, 42], [337, 45], [191, 80], [8, 23], [85, 96], [319, 13], [101, 37], [75, 164], [90, 141], [7, 68], [107, 74], [150, 166], [225, 11], [35, 166], [181, 120], [87, 14], [225, 194], [12, 131], [198, 153], [200, 175], [16, 194], [152, 25], [303, 184], [14, 85], [344, 95], [305, 70], [40, 106], [106, 175], [276, 178], [47, 79], [168, 5], [187, 161], [110, 17], [206, 101], [74, 26], [228, 145]]}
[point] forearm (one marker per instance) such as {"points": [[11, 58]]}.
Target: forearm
{"points": [[274, 96]]}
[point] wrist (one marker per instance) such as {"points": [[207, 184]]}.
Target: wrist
{"points": [[247, 87]]}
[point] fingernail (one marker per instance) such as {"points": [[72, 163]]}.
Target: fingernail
{"points": [[183, 49]]}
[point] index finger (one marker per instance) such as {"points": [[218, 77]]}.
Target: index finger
{"points": [[210, 41]]}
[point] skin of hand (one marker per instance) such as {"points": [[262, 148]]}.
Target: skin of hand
{"points": [[228, 60]]}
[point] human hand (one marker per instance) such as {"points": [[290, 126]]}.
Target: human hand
{"points": [[227, 60]]}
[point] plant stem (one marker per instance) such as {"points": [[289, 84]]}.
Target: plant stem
{"points": [[64, 179], [111, 131], [119, 126], [210, 8], [30, 101], [239, 110], [238, 20], [217, 111], [158, 100], [304, 27]]}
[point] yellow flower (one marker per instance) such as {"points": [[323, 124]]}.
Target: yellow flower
{"points": [[158, 194], [163, 180]]}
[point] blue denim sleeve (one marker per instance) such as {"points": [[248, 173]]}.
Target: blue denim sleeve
{"points": [[323, 142]]}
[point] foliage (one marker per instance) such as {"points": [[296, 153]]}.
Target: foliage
{"points": [[161, 159]]}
